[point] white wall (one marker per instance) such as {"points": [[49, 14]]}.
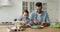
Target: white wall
{"points": [[59, 10], [53, 10], [36, 0], [10, 13]]}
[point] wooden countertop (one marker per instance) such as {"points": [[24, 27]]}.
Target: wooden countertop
{"points": [[46, 29]]}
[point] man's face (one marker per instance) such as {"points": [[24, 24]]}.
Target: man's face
{"points": [[39, 9]]}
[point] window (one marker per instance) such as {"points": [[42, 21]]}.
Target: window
{"points": [[30, 6], [44, 6], [25, 5]]}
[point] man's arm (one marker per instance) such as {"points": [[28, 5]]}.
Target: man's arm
{"points": [[31, 16], [47, 19]]}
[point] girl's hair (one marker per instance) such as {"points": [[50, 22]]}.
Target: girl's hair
{"points": [[25, 11]]}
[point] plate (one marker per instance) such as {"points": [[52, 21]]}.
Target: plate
{"points": [[37, 27]]}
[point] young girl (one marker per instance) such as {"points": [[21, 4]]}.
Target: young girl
{"points": [[25, 17]]}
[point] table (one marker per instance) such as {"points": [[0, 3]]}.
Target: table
{"points": [[3, 29], [46, 29]]}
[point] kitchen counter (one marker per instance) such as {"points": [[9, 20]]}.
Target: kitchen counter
{"points": [[46, 29]]}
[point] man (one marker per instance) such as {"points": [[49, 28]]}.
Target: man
{"points": [[39, 16]]}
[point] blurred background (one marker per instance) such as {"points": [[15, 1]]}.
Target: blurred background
{"points": [[11, 9]]}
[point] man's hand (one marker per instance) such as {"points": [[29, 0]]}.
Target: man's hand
{"points": [[36, 22], [28, 25], [45, 24]]}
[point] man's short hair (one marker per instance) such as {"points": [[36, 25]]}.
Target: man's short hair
{"points": [[38, 4]]}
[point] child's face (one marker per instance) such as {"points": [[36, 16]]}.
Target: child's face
{"points": [[25, 15]]}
